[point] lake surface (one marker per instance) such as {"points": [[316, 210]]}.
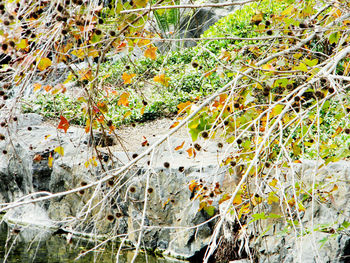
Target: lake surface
{"points": [[15, 247]]}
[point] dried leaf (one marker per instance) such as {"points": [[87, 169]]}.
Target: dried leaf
{"points": [[193, 185], [64, 124], [191, 152], [174, 125], [180, 146], [36, 87], [123, 100], [150, 52], [127, 77], [162, 80], [47, 88], [37, 158]]}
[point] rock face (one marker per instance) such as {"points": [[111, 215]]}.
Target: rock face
{"points": [[171, 222], [154, 196]]}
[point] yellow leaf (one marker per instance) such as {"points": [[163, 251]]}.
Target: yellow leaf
{"points": [[37, 86], [22, 44], [50, 161], [123, 100], [150, 52], [43, 63], [193, 185], [273, 182], [336, 13], [301, 207], [337, 131], [268, 67], [127, 77], [142, 111], [183, 106], [277, 110], [238, 199], [59, 150], [288, 10], [127, 114], [93, 53], [162, 80], [272, 198], [86, 75], [79, 53], [140, 3], [47, 88], [257, 18]]}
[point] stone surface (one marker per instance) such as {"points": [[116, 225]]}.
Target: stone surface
{"points": [[154, 195]]}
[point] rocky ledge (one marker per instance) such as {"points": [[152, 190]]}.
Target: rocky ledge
{"points": [[154, 195]]}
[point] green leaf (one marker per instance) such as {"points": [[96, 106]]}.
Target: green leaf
{"points": [[311, 63], [194, 134], [210, 210], [334, 38], [301, 67], [277, 110]]}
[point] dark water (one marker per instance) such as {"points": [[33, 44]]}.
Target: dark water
{"points": [[22, 247]]}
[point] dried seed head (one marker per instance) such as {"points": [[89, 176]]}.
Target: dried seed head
{"points": [[331, 90], [132, 189], [205, 134], [150, 190], [195, 64], [110, 217], [197, 147], [118, 215], [181, 169], [16, 231], [166, 164], [83, 183], [220, 145]]}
